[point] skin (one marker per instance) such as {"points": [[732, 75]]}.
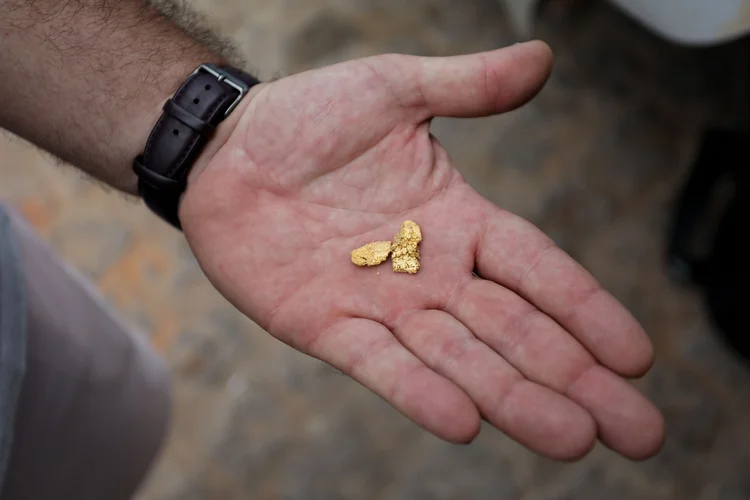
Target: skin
{"points": [[498, 325]]}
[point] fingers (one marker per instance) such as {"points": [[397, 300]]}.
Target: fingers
{"points": [[628, 423], [369, 353], [545, 353], [535, 416], [530, 340], [479, 84], [515, 254]]}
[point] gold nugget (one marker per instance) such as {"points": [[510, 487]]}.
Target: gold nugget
{"points": [[405, 250], [372, 254]]}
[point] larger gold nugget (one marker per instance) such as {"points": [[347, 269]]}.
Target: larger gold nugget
{"points": [[372, 254], [405, 249]]}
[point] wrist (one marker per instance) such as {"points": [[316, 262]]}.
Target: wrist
{"points": [[148, 111], [223, 132], [194, 124]]}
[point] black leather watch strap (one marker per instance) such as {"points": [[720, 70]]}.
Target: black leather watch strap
{"points": [[188, 121]]}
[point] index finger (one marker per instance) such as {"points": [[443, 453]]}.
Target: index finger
{"points": [[517, 255]]}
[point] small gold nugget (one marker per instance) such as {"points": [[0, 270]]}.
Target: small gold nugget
{"points": [[372, 254], [405, 250]]}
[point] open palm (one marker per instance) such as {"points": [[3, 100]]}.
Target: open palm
{"points": [[499, 324]]}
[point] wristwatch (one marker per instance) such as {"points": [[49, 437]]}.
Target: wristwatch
{"points": [[188, 121]]}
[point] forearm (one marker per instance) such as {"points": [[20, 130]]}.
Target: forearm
{"points": [[85, 79]]}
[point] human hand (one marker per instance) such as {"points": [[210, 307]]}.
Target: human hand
{"points": [[499, 324]]}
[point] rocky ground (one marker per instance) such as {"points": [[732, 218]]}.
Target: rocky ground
{"points": [[594, 161]]}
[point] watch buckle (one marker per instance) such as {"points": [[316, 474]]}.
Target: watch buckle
{"points": [[223, 76]]}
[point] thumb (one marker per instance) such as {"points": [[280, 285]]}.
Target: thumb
{"points": [[481, 84]]}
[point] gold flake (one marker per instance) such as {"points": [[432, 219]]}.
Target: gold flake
{"points": [[405, 250], [372, 254]]}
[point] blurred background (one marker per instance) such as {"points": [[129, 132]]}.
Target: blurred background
{"points": [[596, 161]]}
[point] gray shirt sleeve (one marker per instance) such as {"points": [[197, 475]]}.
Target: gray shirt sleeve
{"points": [[12, 335]]}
